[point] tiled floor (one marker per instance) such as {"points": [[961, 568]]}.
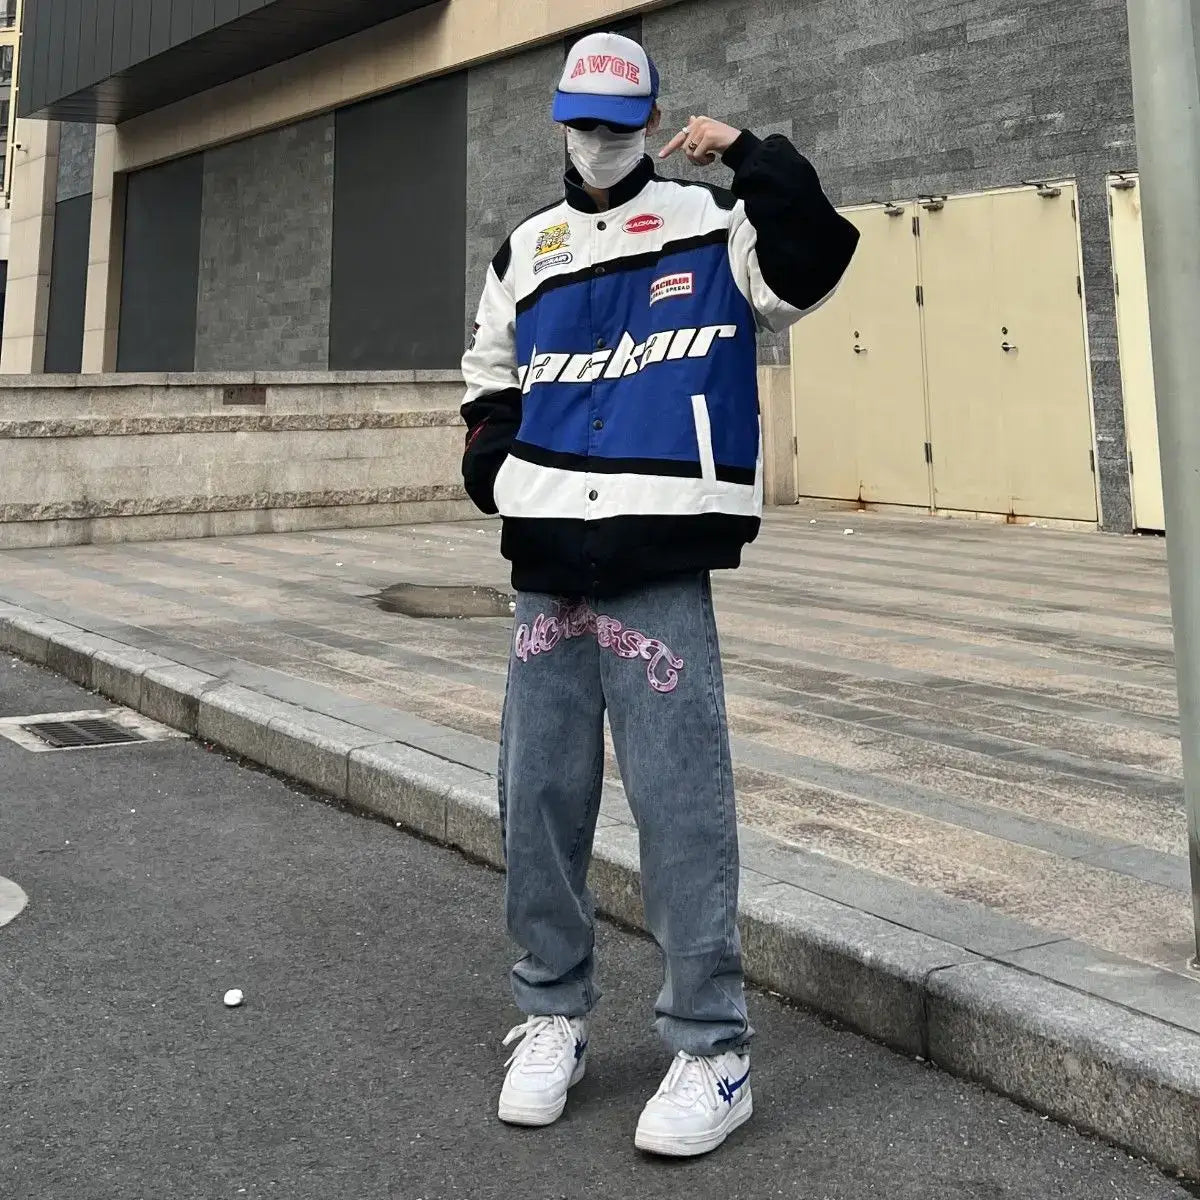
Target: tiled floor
{"points": [[983, 712]]}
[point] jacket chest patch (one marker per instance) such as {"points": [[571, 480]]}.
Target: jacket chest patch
{"points": [[644, 223], [668, 286], [552, 239]]}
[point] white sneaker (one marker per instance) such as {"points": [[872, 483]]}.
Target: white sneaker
{"points": [[700, 1103], [551, 1058]]}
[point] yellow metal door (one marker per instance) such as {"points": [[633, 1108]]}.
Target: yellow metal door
{"points": [[858, 375], [1137, 366], [1006, 353]]}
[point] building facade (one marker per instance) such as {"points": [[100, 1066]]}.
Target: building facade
{"points": [[244, 185], [10, 48]]}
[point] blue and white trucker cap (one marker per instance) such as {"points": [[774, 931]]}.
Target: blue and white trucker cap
{"points": [[607, 78]]}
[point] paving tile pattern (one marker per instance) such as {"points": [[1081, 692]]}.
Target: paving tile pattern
{"points": [[984, 712]]}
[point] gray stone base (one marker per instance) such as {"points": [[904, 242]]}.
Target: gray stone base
{"points": [[37, 535]]}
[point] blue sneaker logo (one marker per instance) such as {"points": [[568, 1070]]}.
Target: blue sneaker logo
{"points": [[580, 1047], [727, 1089]]}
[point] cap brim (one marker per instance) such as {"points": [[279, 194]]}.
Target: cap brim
{"points": [[633, 111]]}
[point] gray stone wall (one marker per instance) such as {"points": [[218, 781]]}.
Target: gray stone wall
{"points": [[515, 155], [265, 251], [76, 160], [933, 96]]}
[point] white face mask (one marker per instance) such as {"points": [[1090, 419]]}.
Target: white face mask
{"points": [[603, 157]]}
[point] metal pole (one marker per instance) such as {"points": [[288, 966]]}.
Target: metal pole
{"points": [[1166, 90]]}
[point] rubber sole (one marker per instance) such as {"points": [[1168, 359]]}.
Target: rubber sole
{"points": [[692, 1145], [534, 1117]]}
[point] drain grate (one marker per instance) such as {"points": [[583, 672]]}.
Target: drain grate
{"points": [[85, 729], [80, 734]]}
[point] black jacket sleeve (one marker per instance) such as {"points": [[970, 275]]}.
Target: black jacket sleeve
{"points": [[792, 247]]}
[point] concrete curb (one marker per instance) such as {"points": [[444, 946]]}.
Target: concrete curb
{"points": [[1128, 1077]]}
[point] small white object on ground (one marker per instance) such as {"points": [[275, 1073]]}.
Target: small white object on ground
{"points": [[233, 997], [813, 521], [512, 606], [847, 532]]}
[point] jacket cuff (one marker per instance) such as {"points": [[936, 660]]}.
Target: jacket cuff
{"points": [[741, 150]]}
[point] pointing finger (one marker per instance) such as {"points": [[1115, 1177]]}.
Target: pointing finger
{"points": [[674, 144]]}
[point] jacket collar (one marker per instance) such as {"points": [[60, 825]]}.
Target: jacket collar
{"points": [[620, 193]]}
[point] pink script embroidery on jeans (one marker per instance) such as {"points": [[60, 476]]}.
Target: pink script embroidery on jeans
{"points": [[578, 620]]}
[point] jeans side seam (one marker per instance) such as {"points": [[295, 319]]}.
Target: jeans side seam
{"points": [[713, 653], [597, 778]]}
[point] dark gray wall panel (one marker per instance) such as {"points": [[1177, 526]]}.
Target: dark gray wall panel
{"points": [[68, 284], [70, 49], [76, 160], [138, 46], [105, 20], [161, 266], [3, 292], [85, 61], [265, 251], [399, 243]]}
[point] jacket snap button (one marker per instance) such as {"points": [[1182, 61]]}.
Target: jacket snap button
{"points": [[600, 343], [593, 495], [602, 225], [599, 270], [597, 425]]}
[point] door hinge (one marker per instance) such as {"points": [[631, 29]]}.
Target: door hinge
{"points": [[916, 226], [1079, 285], [920, 294], [1074, 211], [1116, 284], [1131, 463], [795, 445], [1092, 460], [929, 452]]}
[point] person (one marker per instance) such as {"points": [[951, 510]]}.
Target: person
{"points": [[613, 422]]}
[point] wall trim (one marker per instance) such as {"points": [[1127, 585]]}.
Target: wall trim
{"points": [[87, 510], [232, 423]]}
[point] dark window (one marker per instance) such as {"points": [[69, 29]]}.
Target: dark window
{"points": [[161, 267], [399, 230], [68, 284], [3, 292]]}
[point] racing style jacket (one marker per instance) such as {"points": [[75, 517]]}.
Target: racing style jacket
{"points": [[612, 388]]}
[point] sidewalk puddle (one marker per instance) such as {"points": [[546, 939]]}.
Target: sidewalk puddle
{"points": [[421, 600]]}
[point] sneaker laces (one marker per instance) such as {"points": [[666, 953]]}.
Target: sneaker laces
{"points": [[690, 1080], [546, 1039]]}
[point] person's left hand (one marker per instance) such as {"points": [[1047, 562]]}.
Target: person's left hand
{"points": [[702, 140]]}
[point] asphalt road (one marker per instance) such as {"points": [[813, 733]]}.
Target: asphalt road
{"points": [[366, 1060]]}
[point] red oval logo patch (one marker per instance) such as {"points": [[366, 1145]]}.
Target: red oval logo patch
{"points": [[646, 223]]}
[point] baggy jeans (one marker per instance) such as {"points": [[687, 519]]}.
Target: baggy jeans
{"points": [[650, 659]]}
